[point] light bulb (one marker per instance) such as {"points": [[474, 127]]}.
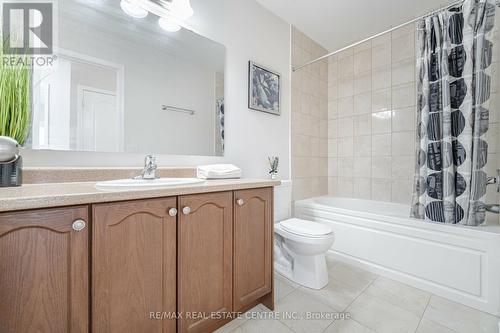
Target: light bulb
{"points": [[168, 25], [133, 9], [181, 9]]}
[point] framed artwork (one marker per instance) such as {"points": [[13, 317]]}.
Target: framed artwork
{"points": [[264, 89]]}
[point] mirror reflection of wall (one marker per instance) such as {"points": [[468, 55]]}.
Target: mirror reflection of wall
{"points": [[112, 79]]}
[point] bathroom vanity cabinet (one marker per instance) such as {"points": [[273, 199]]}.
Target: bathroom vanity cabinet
{"points": [[133, 265], [173, 264], [205, 260], [253, 231], [44, 271]]}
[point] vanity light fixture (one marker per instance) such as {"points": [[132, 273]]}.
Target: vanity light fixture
{"points": [[168, 24], [171, 13], [131, 8], [181, 9]]}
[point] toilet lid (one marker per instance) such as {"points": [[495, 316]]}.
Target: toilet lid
{"points": [[306, 228]]}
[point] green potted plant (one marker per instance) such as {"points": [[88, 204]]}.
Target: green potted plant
{"points": [[14, 101], [14, 117]]}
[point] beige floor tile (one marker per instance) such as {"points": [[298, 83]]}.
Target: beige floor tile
{"points": [[347, 326], [459, 317], [282, 287], [300, 305], [378, 305], [263, 325], [336, 294], [427, 326], [256, 313], [331, 260], [381, 316], [232, 325], [351, 275], [399, 294]]}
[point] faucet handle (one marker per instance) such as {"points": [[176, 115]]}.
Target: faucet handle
{"points": [[498, 180], [494, 180], [149, 160], [149, 168]]}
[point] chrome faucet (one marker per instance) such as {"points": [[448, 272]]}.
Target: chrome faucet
{"points": [[495, 180], [492, 208], [149, 171]]}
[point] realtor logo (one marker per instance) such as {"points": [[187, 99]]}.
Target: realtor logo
{"points": [[27, 28]]}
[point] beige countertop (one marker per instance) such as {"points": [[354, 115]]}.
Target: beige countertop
{"points": [[32, 196]]}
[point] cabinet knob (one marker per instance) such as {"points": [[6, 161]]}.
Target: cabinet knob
{"points": [[240, 202], [79, 225], [186, 210], [172, 211]]}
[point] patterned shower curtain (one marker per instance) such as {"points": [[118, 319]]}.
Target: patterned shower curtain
{"points": [[221, 115], [453, 87]]}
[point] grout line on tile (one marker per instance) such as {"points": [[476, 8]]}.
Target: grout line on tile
{"points": [[450, 329], [423, 313], [361, 293], [333, 322], [391, 108], [399, 306], [281, 300]]}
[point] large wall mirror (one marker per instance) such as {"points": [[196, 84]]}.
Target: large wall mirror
{"points": [[121, 84]]}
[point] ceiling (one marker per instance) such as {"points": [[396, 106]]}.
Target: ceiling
{"points": [[107, 17], [335, 23]]}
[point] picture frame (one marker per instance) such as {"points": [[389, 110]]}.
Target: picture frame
{"points": [[264, 89]]}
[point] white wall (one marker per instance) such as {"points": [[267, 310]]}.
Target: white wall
{"points": [[249, 32]]}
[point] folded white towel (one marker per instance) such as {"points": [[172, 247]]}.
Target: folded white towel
{"points": [[218, 171]]}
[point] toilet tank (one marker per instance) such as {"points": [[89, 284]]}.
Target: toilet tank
{"points": [[283, 201]]}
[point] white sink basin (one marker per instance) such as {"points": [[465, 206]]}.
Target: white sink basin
{"points": [[146, 183]]}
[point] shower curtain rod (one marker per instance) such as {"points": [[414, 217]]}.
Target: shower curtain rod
{"points": [[497, 2]]}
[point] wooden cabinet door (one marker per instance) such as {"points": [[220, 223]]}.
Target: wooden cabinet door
{"points": [[134, 266], [204, 259], [253, 232], [44, 271]]}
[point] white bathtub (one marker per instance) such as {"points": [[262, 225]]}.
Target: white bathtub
{"points": [[456, 262]]}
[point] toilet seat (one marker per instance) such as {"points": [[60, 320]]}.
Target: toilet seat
{"points": [[306, 228]]}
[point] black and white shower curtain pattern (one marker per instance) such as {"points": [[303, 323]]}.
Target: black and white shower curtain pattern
{"points": [[453, 89], [221, 116]]}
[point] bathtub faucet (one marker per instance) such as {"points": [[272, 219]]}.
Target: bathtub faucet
{"points": [[494, 180], [492, 208]]}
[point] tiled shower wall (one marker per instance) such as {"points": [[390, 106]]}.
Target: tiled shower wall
{"points": [[371, 114], [371, 118], [309, 132], [364, 142]]}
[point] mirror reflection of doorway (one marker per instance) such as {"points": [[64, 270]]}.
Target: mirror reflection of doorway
{"points": [[78, 104], [98, 120]]}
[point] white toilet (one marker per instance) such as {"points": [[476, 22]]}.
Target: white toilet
{"points": [[299, 245]]}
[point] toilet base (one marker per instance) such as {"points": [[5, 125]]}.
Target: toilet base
{"points": [[308, 271]]}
